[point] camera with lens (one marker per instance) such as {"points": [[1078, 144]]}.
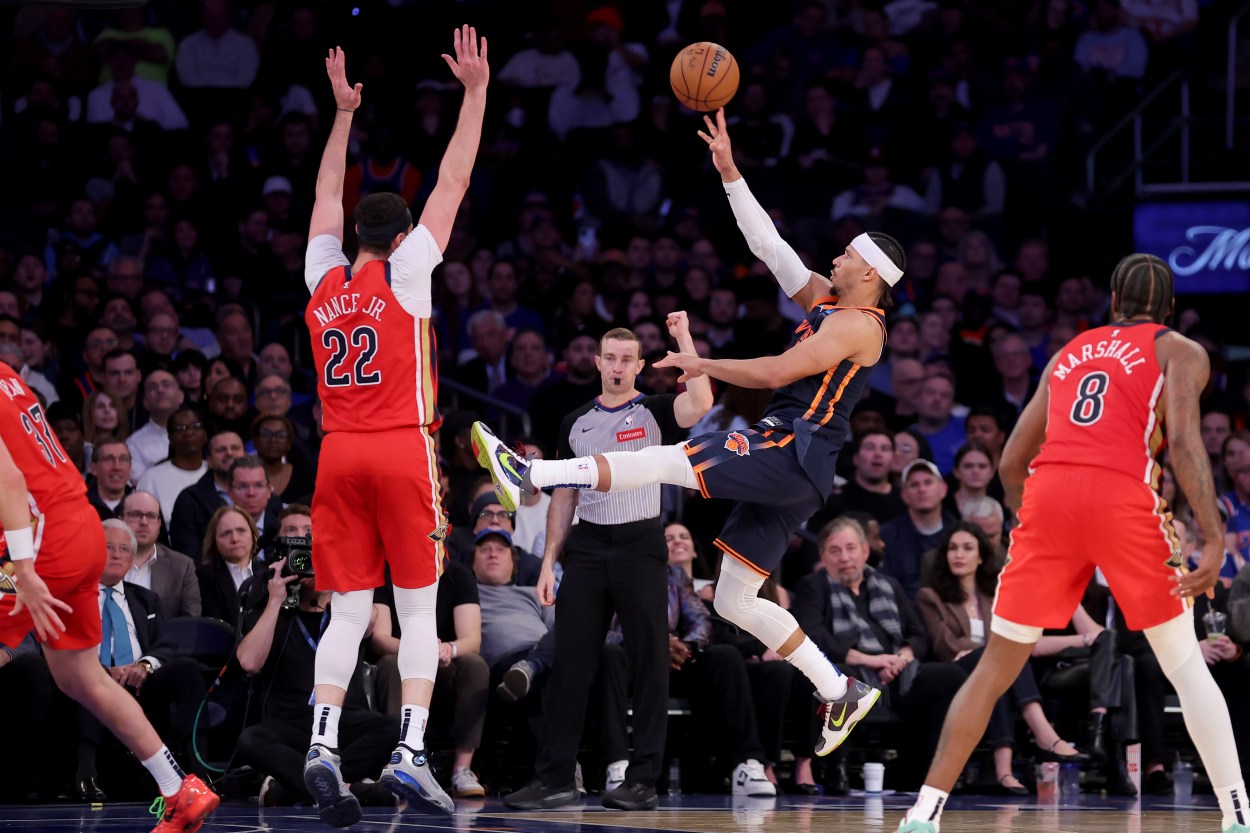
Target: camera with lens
{"points": [[297, 550]]}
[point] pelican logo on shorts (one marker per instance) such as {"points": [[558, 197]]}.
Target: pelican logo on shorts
{"points": [[8, 582], [440, 533], [738, 444]]}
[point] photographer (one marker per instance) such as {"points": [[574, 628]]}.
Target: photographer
{"points": [[281, 628]]}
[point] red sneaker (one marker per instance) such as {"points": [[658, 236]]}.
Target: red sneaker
{"points": [[186, 811]]}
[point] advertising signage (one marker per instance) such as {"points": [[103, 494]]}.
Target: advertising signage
{"points": [[1207, 244]]}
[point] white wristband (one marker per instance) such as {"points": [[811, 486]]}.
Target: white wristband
{"points": [[764, 241], [21, 543]]}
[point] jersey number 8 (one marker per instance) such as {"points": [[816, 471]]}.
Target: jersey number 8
{"points": [[1087, 409], [364, 339]]}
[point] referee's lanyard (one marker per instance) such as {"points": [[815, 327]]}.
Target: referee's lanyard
{"points": [[312, 643]]}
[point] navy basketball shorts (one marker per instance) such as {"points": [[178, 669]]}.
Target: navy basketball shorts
{"points": [[761, 471]]}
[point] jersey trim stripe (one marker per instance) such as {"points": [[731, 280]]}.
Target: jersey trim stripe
{"points": [[728, 550], [838, 394], [436, 500], [1152, 421], [428, 382]]}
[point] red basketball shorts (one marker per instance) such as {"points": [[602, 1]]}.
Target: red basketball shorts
{"points": [[377, 502], [69, 557], [1076, 518]]}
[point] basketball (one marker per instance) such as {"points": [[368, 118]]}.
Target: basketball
{"points": [[704, 76]]}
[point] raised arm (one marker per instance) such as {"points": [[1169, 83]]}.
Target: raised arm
{"points": [[798, 282], [470, 67], [692, 404], [327, 213], [1185, 372]]}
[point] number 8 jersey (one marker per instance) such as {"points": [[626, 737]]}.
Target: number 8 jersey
{"points": [[1106, 402], [372, 337]]}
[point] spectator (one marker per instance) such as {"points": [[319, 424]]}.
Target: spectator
{"points": [[869, 488], [251, 491], [121, 380], [879, 199], [513, 622], [531, 368], [1216, 426], [974, 471], [579, 384], [167, 573], [1111, 46], [228, 560], [111, 477], [101, 419], [908, 537], [150, 444], [153, 46], [967, 179], [67, 425], [487, 370], [160, 340], [217, 56], [227, 405], [80, 238], [546, 64], [956, 605], [273, 437], [155, 103], [863, 621], [937, 422], [197, 503], [188, 368], [184, 464]]}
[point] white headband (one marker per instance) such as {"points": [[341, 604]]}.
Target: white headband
{"points": [[877, 259]]}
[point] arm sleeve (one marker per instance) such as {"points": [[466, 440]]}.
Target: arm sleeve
{"points": [[411, 266], [764, 241], [325, 251]]}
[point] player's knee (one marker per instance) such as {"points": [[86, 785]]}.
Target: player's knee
{"points": [[1173, 642], [731, 601]]}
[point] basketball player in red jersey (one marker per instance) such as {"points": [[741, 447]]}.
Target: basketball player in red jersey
{"points": [[1081, 467], [377, 499], [50, 580]]}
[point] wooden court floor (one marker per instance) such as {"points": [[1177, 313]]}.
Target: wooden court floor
{"points": [[686, 814]]}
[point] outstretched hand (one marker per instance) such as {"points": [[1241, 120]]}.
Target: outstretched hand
{"points": [[717, 138], [469, 65], [689, 365], [346, 97]]}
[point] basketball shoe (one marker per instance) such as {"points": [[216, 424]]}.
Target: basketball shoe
{"points": [[838, 717], [506, 467], [186, 810], [906, 826], [409, 776], [323, 778]]}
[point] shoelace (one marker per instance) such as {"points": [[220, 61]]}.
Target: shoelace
{"points": [[158, 806]]}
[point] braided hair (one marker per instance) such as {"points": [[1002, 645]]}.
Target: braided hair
{"points": [[1142, 285], [894, 251]]}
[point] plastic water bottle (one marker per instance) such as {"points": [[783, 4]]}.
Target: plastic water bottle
{"points": [[1069, 782], [674, 777], [1182, 781]]}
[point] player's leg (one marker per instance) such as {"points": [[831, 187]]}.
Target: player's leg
{"points": [[408, 517], [78, 673], [616, 471]]}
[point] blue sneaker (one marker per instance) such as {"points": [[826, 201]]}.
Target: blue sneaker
{"points": [[838, 717], [410, 777], [323, 778], [507, 468]]}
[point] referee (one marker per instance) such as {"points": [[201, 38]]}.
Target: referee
{"points": [[615, 561]]}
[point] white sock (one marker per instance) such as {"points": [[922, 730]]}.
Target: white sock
{"points": [[574, 473], [1233, 804], [816, 666], [412, 731], [166, 771], [325, 729], [928, 806]]}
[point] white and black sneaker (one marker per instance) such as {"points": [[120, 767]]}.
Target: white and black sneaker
{"points": [[323, 778], [410, 777], [615, 775], [749, 780], [507, 468], [838, 717]]}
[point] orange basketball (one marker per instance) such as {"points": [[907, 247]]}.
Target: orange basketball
{"points": [[704, 76]]}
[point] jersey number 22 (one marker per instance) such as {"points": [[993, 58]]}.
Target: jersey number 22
{"points": [[364, 339]]}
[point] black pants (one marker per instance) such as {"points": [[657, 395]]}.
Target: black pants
{"points": [[278, 747], [460, 689], [773, 688], [26, 687], [622, 569], [716, 682], [1002, 729], [170, 698]]}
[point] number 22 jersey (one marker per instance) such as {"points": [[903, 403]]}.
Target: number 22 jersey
{"points": [[1106, 402], [372, 337]]}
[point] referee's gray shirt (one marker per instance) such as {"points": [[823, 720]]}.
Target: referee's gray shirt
{"points": [[594, 429]]}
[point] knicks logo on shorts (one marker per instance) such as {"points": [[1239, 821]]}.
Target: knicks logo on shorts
{"points": [[738, 444]]}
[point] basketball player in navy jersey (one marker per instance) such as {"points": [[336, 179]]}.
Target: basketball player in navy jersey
{"points": [[781, 470]]}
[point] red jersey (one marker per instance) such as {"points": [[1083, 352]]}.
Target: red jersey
{"points": [[51, 479], [372, 336], [1106, 406]]}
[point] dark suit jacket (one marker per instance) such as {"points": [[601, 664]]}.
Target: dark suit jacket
{"points": [[813, 608], [949, 628], [145, 609], [175, 582], [473, 374], [101, 508], [219, 599], [192, 511]]}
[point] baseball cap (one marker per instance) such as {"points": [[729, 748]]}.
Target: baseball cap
{"points": [[276, 185], [920, 463], [493, 530]]}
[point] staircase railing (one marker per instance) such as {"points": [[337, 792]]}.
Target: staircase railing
{"points": [[1133, 120]]}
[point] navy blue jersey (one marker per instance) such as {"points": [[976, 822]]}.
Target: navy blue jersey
{"points": [[816, 409]]}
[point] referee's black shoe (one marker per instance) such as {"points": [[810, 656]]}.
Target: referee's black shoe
{"points": [[507, 468], [631, 796], [538, 796]]}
